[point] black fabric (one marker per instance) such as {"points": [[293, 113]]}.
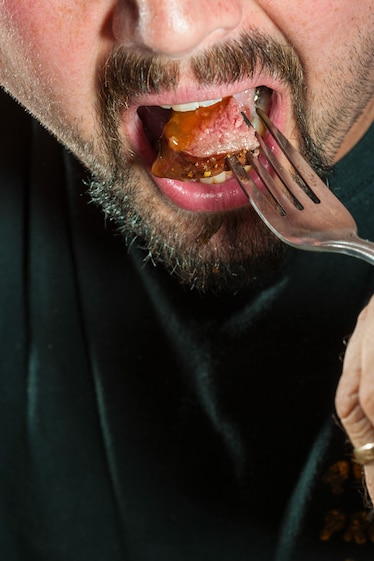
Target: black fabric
{"points": [[143, 422]]}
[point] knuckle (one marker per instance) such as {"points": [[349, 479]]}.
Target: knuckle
{"points": [[346, 403]]}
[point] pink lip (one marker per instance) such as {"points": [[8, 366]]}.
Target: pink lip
{"points": [[200, 197], [189, 195]]}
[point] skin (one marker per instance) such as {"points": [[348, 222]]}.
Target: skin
{"points": [[57, 59], [355, 393]]}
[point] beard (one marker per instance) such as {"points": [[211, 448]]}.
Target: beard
{"points": [[220, 252]]}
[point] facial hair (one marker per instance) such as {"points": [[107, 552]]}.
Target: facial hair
{"points": [[220, 252]]}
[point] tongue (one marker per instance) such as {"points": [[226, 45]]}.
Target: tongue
{"points": [[194, 144]]}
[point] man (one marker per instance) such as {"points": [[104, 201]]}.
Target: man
{"points": [[172, 397]]}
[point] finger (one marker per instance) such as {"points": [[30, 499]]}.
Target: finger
{"points": [[366, 390], [348, 396], [355, 394]]}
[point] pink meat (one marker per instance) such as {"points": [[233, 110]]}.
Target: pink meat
{"points": [[228, 132]]}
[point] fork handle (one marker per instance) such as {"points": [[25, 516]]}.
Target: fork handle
{"points": [[353, 246]]}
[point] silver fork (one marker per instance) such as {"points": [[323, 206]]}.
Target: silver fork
{"points": [[304, 213]]}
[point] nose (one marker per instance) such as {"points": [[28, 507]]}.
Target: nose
{"points": [[174, 28]]}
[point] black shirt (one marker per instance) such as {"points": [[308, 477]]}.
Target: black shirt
{"points": [[143, 422]]}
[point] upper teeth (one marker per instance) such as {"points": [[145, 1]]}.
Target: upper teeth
{"points": [[191, 106]]}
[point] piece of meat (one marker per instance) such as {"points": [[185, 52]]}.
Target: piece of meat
{"points": [[194, 144]]}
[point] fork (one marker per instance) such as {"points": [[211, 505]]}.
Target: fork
{"points": [[301, 210]]}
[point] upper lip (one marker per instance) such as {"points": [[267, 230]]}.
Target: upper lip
{"points": [[187, 93]]}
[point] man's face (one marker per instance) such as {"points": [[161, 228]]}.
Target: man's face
{"points": [[96, 73]]}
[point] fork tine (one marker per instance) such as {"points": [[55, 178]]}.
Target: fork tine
{"points": [[258, 198], [307, 174], [286, 180], [327, 226]]}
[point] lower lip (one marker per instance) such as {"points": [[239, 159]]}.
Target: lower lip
{"points": [[193, 195], [202, 197], [219, 197]]}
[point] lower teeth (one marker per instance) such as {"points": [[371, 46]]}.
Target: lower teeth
{"points": [[221, 177]]}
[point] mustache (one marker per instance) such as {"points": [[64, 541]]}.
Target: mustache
{"points": [[127, 74]]}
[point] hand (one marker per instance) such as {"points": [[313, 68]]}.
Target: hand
{"points": [[355, 392]]}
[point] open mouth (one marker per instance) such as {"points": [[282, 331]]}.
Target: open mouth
{"points": [[192, 141]]}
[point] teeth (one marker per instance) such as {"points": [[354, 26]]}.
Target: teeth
{"points": [[262, 97], [221, 177], [258, 124], [183, 107]]}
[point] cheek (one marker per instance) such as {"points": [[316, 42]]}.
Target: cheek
{"points": [[314, 27], [59, 42], [321, 32]]}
